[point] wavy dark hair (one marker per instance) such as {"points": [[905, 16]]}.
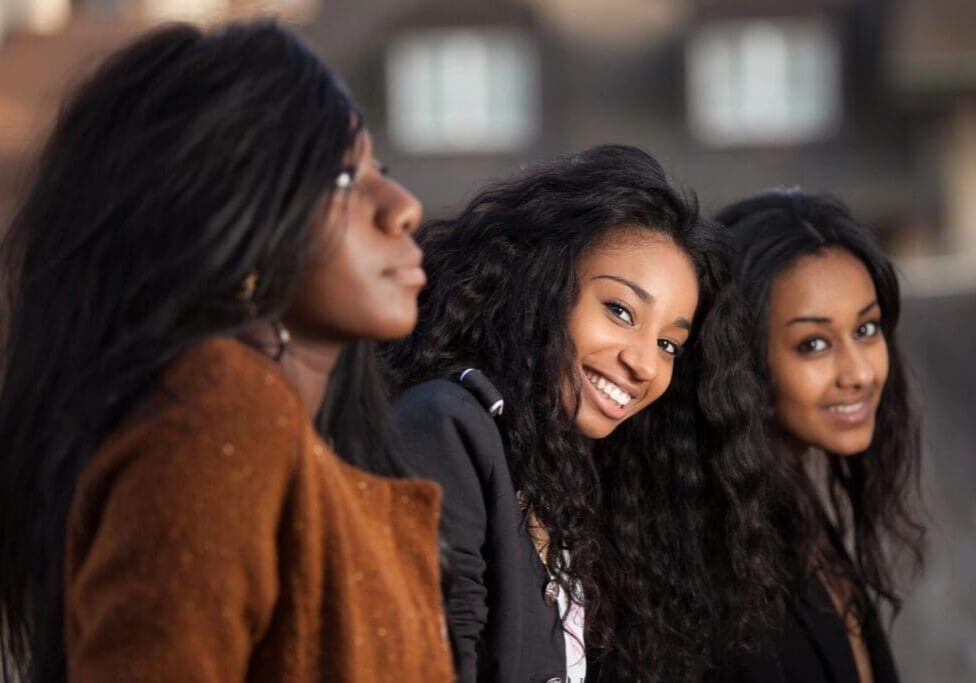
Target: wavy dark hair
{"points": [[189, 160], [870, 495], [665, 519]]}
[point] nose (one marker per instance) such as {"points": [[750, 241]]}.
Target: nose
{"points": [[854, 371], [401, 212], [641, 362]]}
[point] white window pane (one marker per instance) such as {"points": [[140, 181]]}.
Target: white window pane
{"points": [[763, 82], [462, 90]]}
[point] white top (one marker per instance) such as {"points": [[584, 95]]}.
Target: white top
{"points": [[573, 627]]}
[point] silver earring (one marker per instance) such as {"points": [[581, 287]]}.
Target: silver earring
{"points": [[283, 338]]}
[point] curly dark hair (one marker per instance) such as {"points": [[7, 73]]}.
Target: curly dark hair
{"points": [[871, 494], [665, 519], [189, 160]]}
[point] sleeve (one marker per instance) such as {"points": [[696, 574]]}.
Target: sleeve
{"points": [[447, 436], [174, 575]]}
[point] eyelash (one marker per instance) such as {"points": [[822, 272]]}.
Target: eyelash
{"points": [[866, 330], [346, 180], [618, 310], [874, 324], [677, 349], [669, 346]]}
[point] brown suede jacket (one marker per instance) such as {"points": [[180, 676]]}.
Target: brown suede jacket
{"points": [[214, 537]]}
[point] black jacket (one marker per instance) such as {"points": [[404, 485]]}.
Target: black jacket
{"points": [[500, 625], [812, 647]]}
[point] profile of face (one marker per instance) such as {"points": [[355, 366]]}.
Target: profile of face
{"points": [[363, 271], [827, 354], [638, 293]]}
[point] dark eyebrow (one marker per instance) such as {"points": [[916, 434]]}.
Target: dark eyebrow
{"points": [[823, 321], [809, 319], [641, 293], [867, 308]]}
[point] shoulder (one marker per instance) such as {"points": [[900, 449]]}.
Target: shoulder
{"points": [[219, 403], [441, 426], [441, 404], [242, 378]]}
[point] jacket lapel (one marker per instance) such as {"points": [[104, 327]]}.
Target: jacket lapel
{"points": [[825, 631]]}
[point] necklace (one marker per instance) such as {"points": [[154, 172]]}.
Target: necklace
{"points": [[540, 539]]}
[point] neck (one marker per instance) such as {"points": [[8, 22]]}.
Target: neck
{"points": [[306, 363]]}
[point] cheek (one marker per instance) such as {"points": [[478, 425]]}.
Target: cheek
{"points": [[797, 390], [880, 361]]}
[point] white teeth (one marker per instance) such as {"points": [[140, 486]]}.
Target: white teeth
{"points": [[847, 408], [609, 389]]}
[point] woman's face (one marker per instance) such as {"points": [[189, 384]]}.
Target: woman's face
{"points": [[638, 294], [363, 274], [827, 355]]}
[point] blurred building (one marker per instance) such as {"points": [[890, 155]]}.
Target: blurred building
{"points": [[871, 99], [46, 46]]}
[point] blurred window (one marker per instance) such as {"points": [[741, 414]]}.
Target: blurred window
{"points": [[763, 82], [35, 16], [462, 90], [185, 10]]}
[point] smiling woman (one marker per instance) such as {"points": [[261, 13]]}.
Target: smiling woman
{"points": [[827, 305], [610, 520], [827, 352], [626, 338]]}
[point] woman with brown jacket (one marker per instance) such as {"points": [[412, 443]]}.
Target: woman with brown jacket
{"points": [[207, 232]]}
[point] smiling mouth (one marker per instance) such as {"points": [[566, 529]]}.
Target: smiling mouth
{"points": [[607, 388], [853, 413], [847, 408]]}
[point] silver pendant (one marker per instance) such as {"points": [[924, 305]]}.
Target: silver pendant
{"points": [[551, 594]]}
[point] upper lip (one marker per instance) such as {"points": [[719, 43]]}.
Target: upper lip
{"points": [[416, 260], [863, 398], [623, 384]]}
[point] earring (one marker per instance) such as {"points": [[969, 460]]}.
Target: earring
{"points": [[283, 338], [249, 284]]}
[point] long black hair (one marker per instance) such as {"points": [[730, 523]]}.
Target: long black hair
{"points": [[664, 520], [189, 161], [870, 495]]}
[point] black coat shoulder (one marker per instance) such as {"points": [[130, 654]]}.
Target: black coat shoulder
{"points": [[501, 628]]}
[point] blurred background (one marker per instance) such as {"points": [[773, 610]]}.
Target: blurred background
{"points": [[874, 100]]}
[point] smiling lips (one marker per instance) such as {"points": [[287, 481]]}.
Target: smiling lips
{"points": [[608, 389], [852, 414]]}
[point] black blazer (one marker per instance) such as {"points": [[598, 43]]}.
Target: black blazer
{"points": [[812, 647], [501, 627]]}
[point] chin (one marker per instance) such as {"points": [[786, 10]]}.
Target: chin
{"points": [[394, 329], [852, 445], [594, 428]]}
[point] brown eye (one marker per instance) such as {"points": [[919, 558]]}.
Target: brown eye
{"points": [[671, 348], [619, 311], [812, 345], [868, 329]]}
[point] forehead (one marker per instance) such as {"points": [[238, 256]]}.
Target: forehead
{"points": [[651, 260], [831, 283]]}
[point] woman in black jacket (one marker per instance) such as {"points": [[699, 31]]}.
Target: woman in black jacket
{"points": [[826, 302], [604, 465]]}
